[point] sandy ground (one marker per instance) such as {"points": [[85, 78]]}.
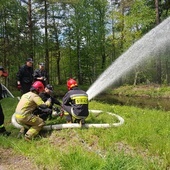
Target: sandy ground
{"points": [[10, 161]]}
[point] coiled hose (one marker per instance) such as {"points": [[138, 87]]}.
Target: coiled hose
{"points": [[77, 125]]}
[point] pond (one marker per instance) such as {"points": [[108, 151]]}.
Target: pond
{"points": [[143, 102]]}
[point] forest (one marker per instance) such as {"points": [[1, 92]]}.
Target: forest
{"points": [[79, 38]]}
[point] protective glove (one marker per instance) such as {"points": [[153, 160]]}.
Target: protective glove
{"points": [[49, 102], [57, 112], [44, 78], [5, 74]]}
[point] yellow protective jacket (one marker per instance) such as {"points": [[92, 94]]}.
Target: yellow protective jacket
{"points": [[29, 102]]}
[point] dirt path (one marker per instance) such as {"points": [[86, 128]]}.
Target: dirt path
{"points": [[9, 160]]}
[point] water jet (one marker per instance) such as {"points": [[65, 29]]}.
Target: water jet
{"points": [[155, 42]]}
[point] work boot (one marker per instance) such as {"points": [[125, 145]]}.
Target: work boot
{"points": [[22, 132], [4, 132], [82, 122], [27, 138]]}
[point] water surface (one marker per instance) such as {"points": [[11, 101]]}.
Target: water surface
{"points": [[143, 102]]}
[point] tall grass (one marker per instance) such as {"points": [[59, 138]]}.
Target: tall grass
{"points": [[142, 142]]}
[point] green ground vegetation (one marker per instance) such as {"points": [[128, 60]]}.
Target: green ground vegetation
{"points": [[141, 143], [155, 91]]}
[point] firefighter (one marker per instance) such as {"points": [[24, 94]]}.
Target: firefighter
{"points": [[25, 76], [45, 95], [41, 74], [75, 103], [25, 108], [2, 128]]}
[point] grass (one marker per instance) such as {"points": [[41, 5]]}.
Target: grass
{"points": [[141, 143], [155, 91]]}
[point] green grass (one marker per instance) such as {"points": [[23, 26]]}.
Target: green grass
{"points": [[154, 91], [141, 143]]}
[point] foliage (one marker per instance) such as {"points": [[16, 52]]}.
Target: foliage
{"points": [[75, 38]]}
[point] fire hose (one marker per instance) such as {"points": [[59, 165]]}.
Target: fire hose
{"points": [[77, 125]]}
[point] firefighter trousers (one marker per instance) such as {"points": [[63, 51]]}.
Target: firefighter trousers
{"points": [[33, 122]]}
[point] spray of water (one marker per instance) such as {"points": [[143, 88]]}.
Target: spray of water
{"points": [[155, 42]]}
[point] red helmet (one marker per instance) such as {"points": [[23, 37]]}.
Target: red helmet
{"points": [[71, 83], [38, 85]]}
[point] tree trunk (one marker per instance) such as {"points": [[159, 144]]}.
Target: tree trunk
{"points": [[57, 51], [46, 42], [113, 43], [158, 59], [78, 61], [30, 27], [157, 12], [122, 26]]}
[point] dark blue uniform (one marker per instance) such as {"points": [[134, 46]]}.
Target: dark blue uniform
{"points": [[1, 111], [43, 112], [41, 73], [25, 76], [2, 128], [75, 102]]}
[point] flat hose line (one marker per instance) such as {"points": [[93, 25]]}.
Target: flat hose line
{"points": [[76, 125]]}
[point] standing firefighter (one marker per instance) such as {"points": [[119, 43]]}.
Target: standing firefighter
{"points": [[75, 103], [2, 128], [25, 76], [25, 108], [41, 74]]}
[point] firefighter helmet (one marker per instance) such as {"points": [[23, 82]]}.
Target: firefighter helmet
{"points": [[71, 83], [49, 87], [38, 86]]}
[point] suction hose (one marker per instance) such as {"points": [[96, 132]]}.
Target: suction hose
{"points": [[76, 125]]}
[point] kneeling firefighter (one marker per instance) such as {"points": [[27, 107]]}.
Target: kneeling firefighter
{"points": [[75, 103], [45, 95], [25, 108]]}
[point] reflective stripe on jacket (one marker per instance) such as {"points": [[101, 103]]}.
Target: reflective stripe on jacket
{"points": [[78, 100], [28, 103]]}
